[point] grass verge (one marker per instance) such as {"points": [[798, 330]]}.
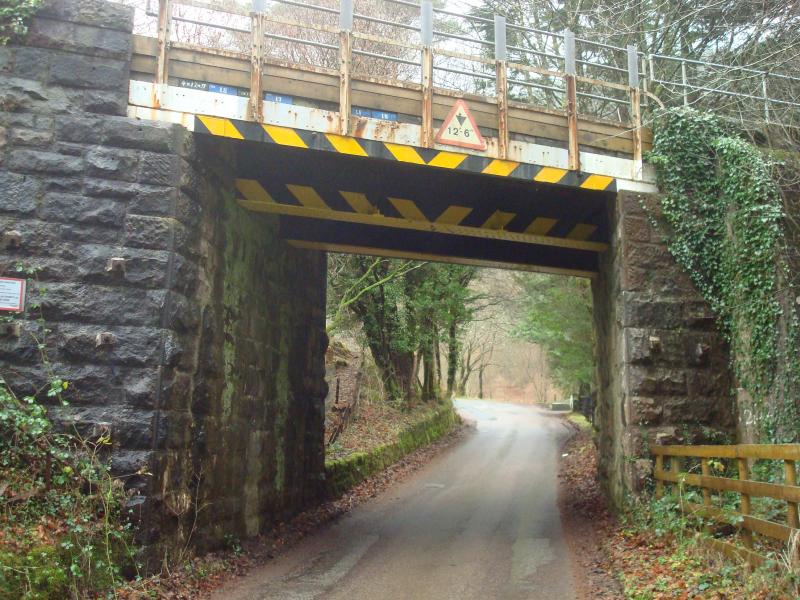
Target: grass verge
{"points": [[428, 425], [650, 549]]}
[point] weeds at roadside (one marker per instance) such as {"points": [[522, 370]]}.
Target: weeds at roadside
{"points": [[657, 556], [62, 528]]}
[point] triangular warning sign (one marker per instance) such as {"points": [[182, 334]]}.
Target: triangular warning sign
{"points": [[460, 129]]}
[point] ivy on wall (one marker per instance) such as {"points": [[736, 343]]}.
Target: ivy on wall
{"points": [[725, 219], [14, 18]]}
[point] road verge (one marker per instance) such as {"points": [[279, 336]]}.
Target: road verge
{"points": [[342, 474]]}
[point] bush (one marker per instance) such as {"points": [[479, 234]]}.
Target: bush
{"points": [[14, 18], [62, 531]]}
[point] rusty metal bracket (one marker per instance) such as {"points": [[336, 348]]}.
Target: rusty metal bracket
{"points": [[426, 34], [162, 64], [345, 65], [501, 85], [256, 104], [636, 111], [574, 163], [574, 160]]}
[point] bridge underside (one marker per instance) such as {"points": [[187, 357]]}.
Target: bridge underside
{"points": [[345, 203]]}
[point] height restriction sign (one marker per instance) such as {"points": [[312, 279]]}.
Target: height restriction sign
{"points": [[12, 294], [460, 129]]}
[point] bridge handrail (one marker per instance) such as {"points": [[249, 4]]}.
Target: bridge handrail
{"points": [[561, 72], [666, 76], [678, 475], [433, 57]]}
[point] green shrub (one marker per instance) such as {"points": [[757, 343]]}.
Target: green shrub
{"points": [[61, 512], [14, 18], [38, 574]]}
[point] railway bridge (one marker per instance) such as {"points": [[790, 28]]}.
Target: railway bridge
{"points": [[352, 150], [176, 174]]}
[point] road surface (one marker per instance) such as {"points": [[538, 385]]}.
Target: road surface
{"points": [[479, 521]]}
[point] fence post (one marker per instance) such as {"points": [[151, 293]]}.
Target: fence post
{"points": [[636, 110], [675, 467], [257, 30], [426, 34], [345, 64], [705, 469], [790, 472], [766, 96], [744, 475], [162, 65], [501, 84], [645, 75], [659, 474], [685, 83], [570, 71]]}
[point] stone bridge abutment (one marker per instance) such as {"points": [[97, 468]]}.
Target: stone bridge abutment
{"points": [[662, 367], [192, 333], [184, 325]]}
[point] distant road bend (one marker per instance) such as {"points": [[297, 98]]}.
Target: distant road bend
{"points": [[480, 521]]}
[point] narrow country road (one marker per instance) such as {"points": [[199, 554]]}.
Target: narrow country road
{"points": [[480, 521]]}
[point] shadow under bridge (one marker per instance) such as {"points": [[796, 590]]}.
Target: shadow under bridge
{"points": [[331, 195]]}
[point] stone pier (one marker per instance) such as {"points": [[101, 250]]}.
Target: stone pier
{"points": [[662, 367], [187, 329]]}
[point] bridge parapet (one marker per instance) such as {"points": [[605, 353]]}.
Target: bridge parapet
{"points": [[392, 71], [280, 69]]}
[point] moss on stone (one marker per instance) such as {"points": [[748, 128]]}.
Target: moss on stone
{"points": [[345, 473]]}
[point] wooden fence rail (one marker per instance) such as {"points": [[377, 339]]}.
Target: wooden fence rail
{"points": [[748, 524]]}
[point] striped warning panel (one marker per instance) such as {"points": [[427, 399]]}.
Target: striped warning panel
{"points": [[347, 206], [443, 159]]}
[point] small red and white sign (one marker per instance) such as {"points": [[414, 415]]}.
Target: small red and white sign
{"points": [[12, 294], [460, 129]]}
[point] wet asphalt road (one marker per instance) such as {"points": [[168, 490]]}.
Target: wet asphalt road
{"points": [[479, 521]]}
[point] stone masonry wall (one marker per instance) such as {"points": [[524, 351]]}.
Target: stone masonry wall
{"points": [[662, 368], [185, 326]]}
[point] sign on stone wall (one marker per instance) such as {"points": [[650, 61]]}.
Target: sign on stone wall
{"points": [[12, 294]]}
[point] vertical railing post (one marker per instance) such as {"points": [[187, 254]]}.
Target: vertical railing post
{"points": [[790, 475], [426, 35], [636, 110], [766, 96], [705, 470], [675, 467], [744, 475], [659, 475], [345, 64], [257, 31], [685, 83], [570, 70], [162, 64], [645, 75], [501, 85]]}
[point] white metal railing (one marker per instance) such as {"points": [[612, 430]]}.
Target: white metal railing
{"points": [[392, 33], [433, 48]]}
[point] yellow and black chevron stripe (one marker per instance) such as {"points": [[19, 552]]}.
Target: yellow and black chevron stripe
{"points": [[355, 207], [302, 138]]}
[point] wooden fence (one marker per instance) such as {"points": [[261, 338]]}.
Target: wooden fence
{"points": [[711, 458]]}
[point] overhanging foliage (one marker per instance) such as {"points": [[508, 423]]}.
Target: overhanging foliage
{"points": [[724, 215], [14, 18]]}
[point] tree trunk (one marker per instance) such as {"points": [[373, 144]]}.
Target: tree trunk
{"points": [[429, 373], [452, 359], [438, 355], [402, 376]]}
